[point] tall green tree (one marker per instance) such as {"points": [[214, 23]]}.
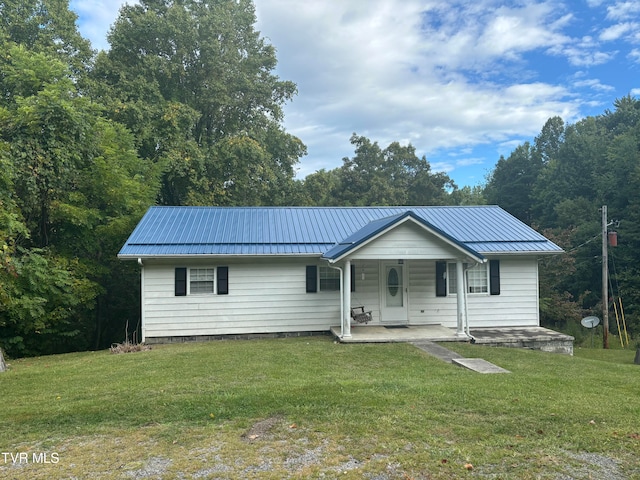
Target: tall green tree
{"points": [[73, 188], [45, 124], [578, 168], [547, 144], [572, 174], [511, 183], [394, 175], [193, 80], [46, 26], [321, 188]]}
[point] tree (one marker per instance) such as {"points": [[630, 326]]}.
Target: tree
{"points": [[571, 175], [194, 82], [321, 188], [45, 124], [73, 188], [547, 144], [48, 27], [511, 183], [468, 196], [583, 166], [391, 176]]}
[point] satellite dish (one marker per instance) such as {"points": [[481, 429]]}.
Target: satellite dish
{"points": [[590, 322]]}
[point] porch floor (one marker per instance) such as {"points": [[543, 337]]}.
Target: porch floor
{"points": [[537, 338]]}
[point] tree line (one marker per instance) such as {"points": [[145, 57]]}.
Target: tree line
{"points": [[184, 108], [558, 183]]}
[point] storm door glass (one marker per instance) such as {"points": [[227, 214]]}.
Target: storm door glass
{"points": [[394, 287]]}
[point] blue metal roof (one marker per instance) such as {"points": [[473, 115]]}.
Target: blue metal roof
{"points": [[311, 231]]}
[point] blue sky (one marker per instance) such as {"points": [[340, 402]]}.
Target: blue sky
{"points": [[463, 81]]}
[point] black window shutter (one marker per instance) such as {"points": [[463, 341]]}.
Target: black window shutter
{"points": [[494, 277], [223, 280], [181, 282], [353, 277], [312, 278], [441, 279]]}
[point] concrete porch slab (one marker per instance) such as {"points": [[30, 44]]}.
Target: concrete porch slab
{"points": [[535, 338], [411, 333]]}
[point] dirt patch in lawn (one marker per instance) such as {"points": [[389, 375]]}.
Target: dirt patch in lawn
{"points": [[263, 429]]}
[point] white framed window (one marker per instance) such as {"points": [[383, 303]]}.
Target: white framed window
{"points": [[202, 281], [477, 278], [329, 279]]}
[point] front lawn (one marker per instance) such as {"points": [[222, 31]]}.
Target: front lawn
{"points": [[311, 408]]}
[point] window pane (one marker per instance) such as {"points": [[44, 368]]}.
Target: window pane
{"points": [[329, 279], [201, 280], [477, 277], [452, 279]]}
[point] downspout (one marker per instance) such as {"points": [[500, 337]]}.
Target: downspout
{"points": [[346, 286], [466, 306], [461, 299], [142, 322], [341, 301]]}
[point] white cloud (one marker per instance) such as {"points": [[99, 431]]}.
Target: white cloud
{"points": [[594, 84], [96, 17], [583, 52], [445, 75], [623, 10], [634, 55], [466, 162], [400, 69], [618, 30]]}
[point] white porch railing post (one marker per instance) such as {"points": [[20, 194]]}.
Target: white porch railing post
{"points": [[346, 287], [461, 299]]}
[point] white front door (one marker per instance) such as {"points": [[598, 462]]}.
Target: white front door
{"points": [[393, 293]]}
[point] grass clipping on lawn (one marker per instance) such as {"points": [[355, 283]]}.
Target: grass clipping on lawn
{"points": [[311, 408]]}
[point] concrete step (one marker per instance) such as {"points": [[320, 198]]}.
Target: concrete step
{"points": [[479, 365]]}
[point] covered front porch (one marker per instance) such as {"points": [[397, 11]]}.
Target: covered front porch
{"points": [[534, 338], [403, 272]]}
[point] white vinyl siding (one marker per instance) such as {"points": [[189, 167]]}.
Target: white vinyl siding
{"points": [[406, 241], [269, 296], [516, 306], [265, 296]]}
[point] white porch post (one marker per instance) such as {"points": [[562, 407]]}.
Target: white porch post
{"points": [[346, 287], [461, 298]]}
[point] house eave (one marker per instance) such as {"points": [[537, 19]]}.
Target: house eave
{"points": [[217, 255], [522, 253]]}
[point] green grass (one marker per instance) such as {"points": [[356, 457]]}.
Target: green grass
{"points": [[311, 408]]}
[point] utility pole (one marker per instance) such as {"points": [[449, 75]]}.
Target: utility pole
{"points": [[605, 284]]}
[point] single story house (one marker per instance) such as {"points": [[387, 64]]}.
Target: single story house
{"points": [[211, 271]]}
